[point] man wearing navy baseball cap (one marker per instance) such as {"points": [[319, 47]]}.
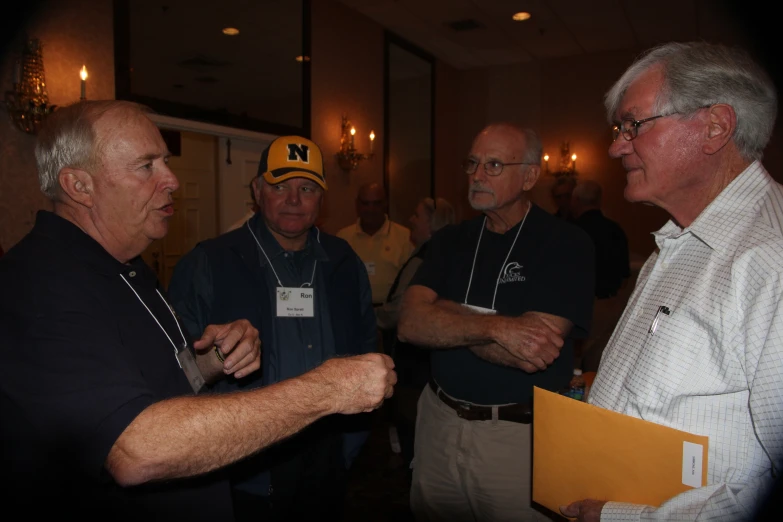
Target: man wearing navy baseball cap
{"points": [[308, 294]]}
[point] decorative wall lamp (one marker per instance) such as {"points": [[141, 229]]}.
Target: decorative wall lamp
{"points": [[28, 104], [567, 165], [348, 158]]}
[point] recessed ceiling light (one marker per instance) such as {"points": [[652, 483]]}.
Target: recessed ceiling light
{"points": [[301, 58], [521, 16], [230, 31]]}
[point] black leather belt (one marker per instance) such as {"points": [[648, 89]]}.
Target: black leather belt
{"points": [[522, 413]]}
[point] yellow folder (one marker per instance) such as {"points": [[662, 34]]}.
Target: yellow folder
{"points": [[583, 451]]}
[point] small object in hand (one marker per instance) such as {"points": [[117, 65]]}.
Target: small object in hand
{"points": [[219, 355]]}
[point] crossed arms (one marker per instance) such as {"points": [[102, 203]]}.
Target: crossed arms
{"points": [[530, 342]]}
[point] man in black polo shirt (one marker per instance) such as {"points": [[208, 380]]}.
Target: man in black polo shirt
{"points": [[612, 264], [98, 382], [498, 299], [612, 268]]}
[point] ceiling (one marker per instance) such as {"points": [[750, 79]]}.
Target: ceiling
{"points": [[178, 53], [557, 29]]}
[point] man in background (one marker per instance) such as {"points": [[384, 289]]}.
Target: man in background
{"points": [[308, 294], [561, 192], [411, 362], [700, 347], [382, 244], [612, 264], [612, 268]]}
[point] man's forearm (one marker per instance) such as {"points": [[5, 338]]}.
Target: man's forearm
{"points": [[443, 324], [159, 443], [491, 352], [496, 354]]}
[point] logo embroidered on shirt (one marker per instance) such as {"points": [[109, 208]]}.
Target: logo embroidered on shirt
{"points": [[511, 274]]}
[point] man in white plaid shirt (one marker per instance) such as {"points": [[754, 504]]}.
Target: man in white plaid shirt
{"points": [[699, 347]]}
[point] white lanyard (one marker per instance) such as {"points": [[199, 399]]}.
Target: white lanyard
{"points": [[312, 276], [475, 256], [185, 342]]}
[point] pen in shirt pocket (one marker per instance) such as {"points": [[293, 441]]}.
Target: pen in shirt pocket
{"points": [[657, 318]]}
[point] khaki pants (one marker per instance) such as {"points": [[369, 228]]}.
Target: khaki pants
{"points": [[470, 470]]}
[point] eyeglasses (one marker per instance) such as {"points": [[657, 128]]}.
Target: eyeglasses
{"points": [[492, 168], [629, 127]]}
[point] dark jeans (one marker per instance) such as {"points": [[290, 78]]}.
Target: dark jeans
{"points": [[308, 480], [412, 365]]}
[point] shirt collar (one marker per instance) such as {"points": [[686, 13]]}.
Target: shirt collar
{"points": [[720, 226], [73, 239], [272, 247]]}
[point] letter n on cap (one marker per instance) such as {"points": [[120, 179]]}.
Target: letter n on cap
{"points": [[298, 152]]}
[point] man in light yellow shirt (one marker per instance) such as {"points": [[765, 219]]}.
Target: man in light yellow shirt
{"points": [[383, 245]]}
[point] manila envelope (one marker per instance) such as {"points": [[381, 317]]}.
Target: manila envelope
{"points": [[582, 451]]}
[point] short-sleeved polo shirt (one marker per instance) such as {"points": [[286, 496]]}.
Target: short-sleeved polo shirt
{"points": [[549, 269], [87, 344]]}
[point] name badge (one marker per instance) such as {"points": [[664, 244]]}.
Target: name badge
{"points": [[188, 364], [480, 309], [370, 268], [295, 302]]}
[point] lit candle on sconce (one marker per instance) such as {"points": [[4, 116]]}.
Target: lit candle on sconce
{"points": [[83, 76], [573, 162], [372, 140], [546, 162], [353, 135]]}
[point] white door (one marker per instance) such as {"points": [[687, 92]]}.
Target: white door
{"points": [[214, 193], [195, 204], [234, 178]]}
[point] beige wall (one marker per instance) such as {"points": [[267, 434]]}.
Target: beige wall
{"points": [[573, 111], [449, 183], [410, 146], [347, 77], [73, 32]]}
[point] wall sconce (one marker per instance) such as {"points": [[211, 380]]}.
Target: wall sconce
{"points": [[348, 158], [567, 165], [28, 104]]}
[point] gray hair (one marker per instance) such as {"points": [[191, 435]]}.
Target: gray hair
{"points": [[699, 74], [440, 213], [68, 140], [533, 147], [588, 192]]}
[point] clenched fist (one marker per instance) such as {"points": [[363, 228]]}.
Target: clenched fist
{"points": [[359, 383]]}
